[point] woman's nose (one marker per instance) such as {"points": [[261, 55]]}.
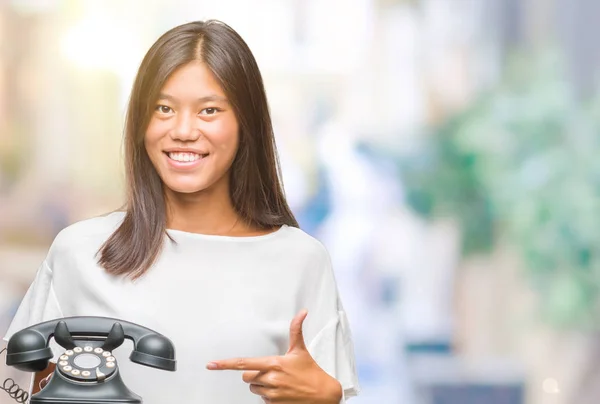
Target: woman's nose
{"points": [[185, 129]]}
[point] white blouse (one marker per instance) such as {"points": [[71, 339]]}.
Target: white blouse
{"points": [[215, 297]]}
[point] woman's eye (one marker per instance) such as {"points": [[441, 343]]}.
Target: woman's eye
{"points": [[209, 111], [163, 109]]}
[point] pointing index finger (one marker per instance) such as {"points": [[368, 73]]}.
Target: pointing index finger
{"points": [[260, 364]]}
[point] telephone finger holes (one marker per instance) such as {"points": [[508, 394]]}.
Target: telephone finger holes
{"points": [[63, 363], [64, 358], [77, 349], [67, 368], [69, 352], [88, 349], [110, 359], [110, 364], [98, 350], [86, 373], [105, 354], [75, 372]]}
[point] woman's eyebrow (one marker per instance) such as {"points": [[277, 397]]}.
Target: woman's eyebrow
{"points": [[206, 98]]}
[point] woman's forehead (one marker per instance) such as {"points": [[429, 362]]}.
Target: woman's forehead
{"points": [[192, 82]]}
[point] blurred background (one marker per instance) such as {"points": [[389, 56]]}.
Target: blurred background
{"points": [[443, 150]]}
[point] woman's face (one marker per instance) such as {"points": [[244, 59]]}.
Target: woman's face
{"points": [[192, 137]]}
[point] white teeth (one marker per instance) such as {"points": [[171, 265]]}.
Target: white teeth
{"points": [[185, 157]]}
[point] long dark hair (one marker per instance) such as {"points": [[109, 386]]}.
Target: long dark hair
{"points": [[256, 191]]}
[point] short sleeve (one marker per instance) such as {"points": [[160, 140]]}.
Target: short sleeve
{"points": [[38, 305], [333, 350]]}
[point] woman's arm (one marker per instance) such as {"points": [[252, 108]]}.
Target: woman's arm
{"points": [[39, 376], [294, 377]]}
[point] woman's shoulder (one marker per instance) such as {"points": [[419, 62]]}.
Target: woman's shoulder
{"points": [[304, 243], [92, 231], [99, 225]]}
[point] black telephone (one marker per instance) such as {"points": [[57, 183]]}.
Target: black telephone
{"points": [[87, 372]]}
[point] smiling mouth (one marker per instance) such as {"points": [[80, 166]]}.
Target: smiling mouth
{"points": [[186, 157]]}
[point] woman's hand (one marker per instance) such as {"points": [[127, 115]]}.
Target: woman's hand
{"points": [[45, 381], [41, 379], [292, 378]]}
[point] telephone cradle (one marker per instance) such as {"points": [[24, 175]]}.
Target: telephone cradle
{"points": [[87, 372]]}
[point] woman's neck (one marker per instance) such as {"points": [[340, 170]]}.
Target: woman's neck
{"points": [[204, 212]]}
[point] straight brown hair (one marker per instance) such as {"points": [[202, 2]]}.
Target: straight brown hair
{"points": [[255, 186]]}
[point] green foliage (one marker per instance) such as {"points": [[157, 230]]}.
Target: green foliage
{"points": [[522, 164]]}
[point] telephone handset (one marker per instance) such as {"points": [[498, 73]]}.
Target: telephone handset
{"points": [[87, 372]]}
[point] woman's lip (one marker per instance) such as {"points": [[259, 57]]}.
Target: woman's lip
{"points": [[184, 151], [184, 165]]}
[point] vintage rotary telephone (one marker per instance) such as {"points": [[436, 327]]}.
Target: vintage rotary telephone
{"points": [[86, 373]]}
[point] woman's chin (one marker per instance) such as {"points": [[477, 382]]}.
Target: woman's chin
{"points": [[185, 188], [188, 186]]}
